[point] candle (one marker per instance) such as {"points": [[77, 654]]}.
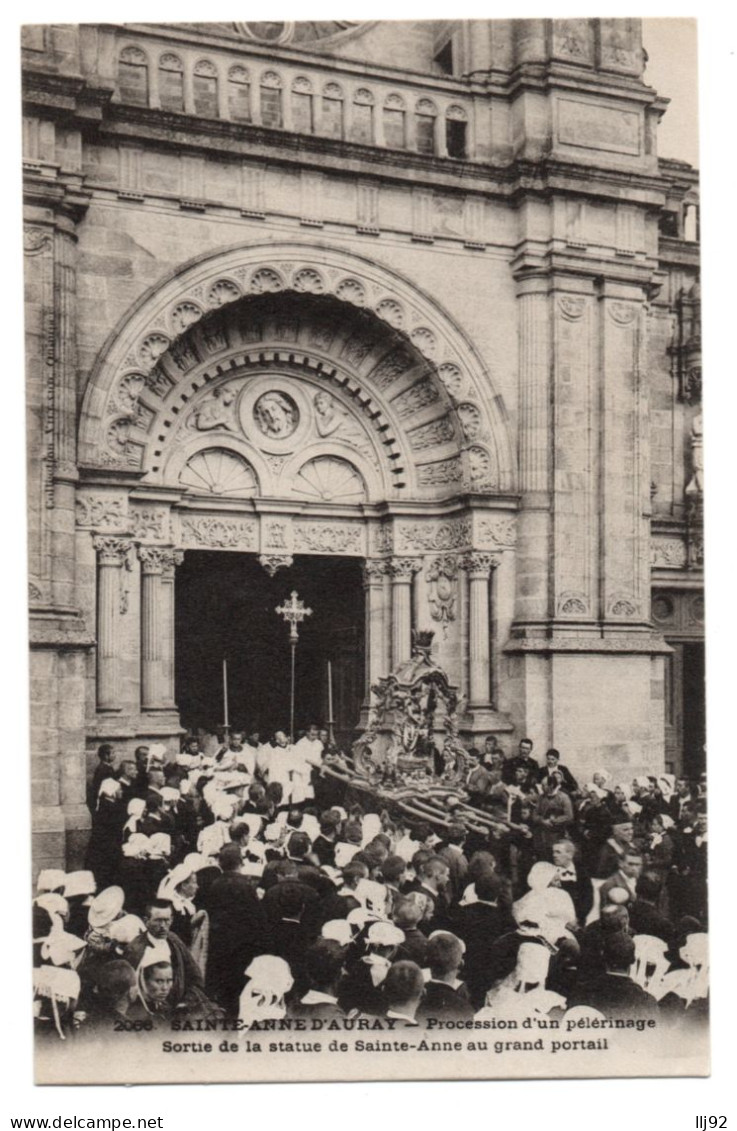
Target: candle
{"points": [[330, 692], [225, 692]]}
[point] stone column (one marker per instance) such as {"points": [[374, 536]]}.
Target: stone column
{"points": [[64, 416], [479, 567], [157, 627], [111, 556], [532, 604], [402, 570], [374, 573]]}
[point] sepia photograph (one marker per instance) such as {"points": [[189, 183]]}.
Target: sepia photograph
{"points": [[365, 520]]}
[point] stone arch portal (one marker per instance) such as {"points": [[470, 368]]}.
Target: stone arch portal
{"points": [[286, 400], [358, 325]]}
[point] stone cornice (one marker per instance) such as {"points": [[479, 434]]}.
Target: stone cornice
{"points": [[48, 629], [550, 76], [65, 195], [675, 252], [70, 96], [64, 96], [651, 644]]}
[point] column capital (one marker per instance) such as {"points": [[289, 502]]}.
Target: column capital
{"points": [[112, 551], [479, 562], [159, 560], [374, 571], [403, 569]]}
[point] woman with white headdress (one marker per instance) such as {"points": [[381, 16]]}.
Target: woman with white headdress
{"points": [[523, 993], [546, 904], [135, 811], [57, 986], [264, 994], [191, 925], [684, 991], [155, 984]]}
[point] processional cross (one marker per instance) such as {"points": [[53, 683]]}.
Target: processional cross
{"points": [[293, 612]]}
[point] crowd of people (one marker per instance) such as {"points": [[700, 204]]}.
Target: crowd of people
{"points": [[242, 883]]}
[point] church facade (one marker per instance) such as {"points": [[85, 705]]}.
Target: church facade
{"points": [[409, 306]]}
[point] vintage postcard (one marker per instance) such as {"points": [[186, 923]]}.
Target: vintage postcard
{"points": [[365, 519]]}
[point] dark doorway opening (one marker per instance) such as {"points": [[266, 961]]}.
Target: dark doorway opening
{"points": [[225, 608], [694, 709]]}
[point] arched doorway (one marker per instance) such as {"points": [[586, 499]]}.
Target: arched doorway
{"points": [[287, 413]]}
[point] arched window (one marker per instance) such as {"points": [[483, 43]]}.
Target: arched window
{"points": [[395, 126], [239, 94], [205, 89], [133, 76], [691, 221], [362, 117], [303, 120], [271, 108], [171, 83], [425, 115], [456, 131], [332, 111]]}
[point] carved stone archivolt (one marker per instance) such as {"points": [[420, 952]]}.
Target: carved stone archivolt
{"points": [[172, 335], [482, 471]]}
